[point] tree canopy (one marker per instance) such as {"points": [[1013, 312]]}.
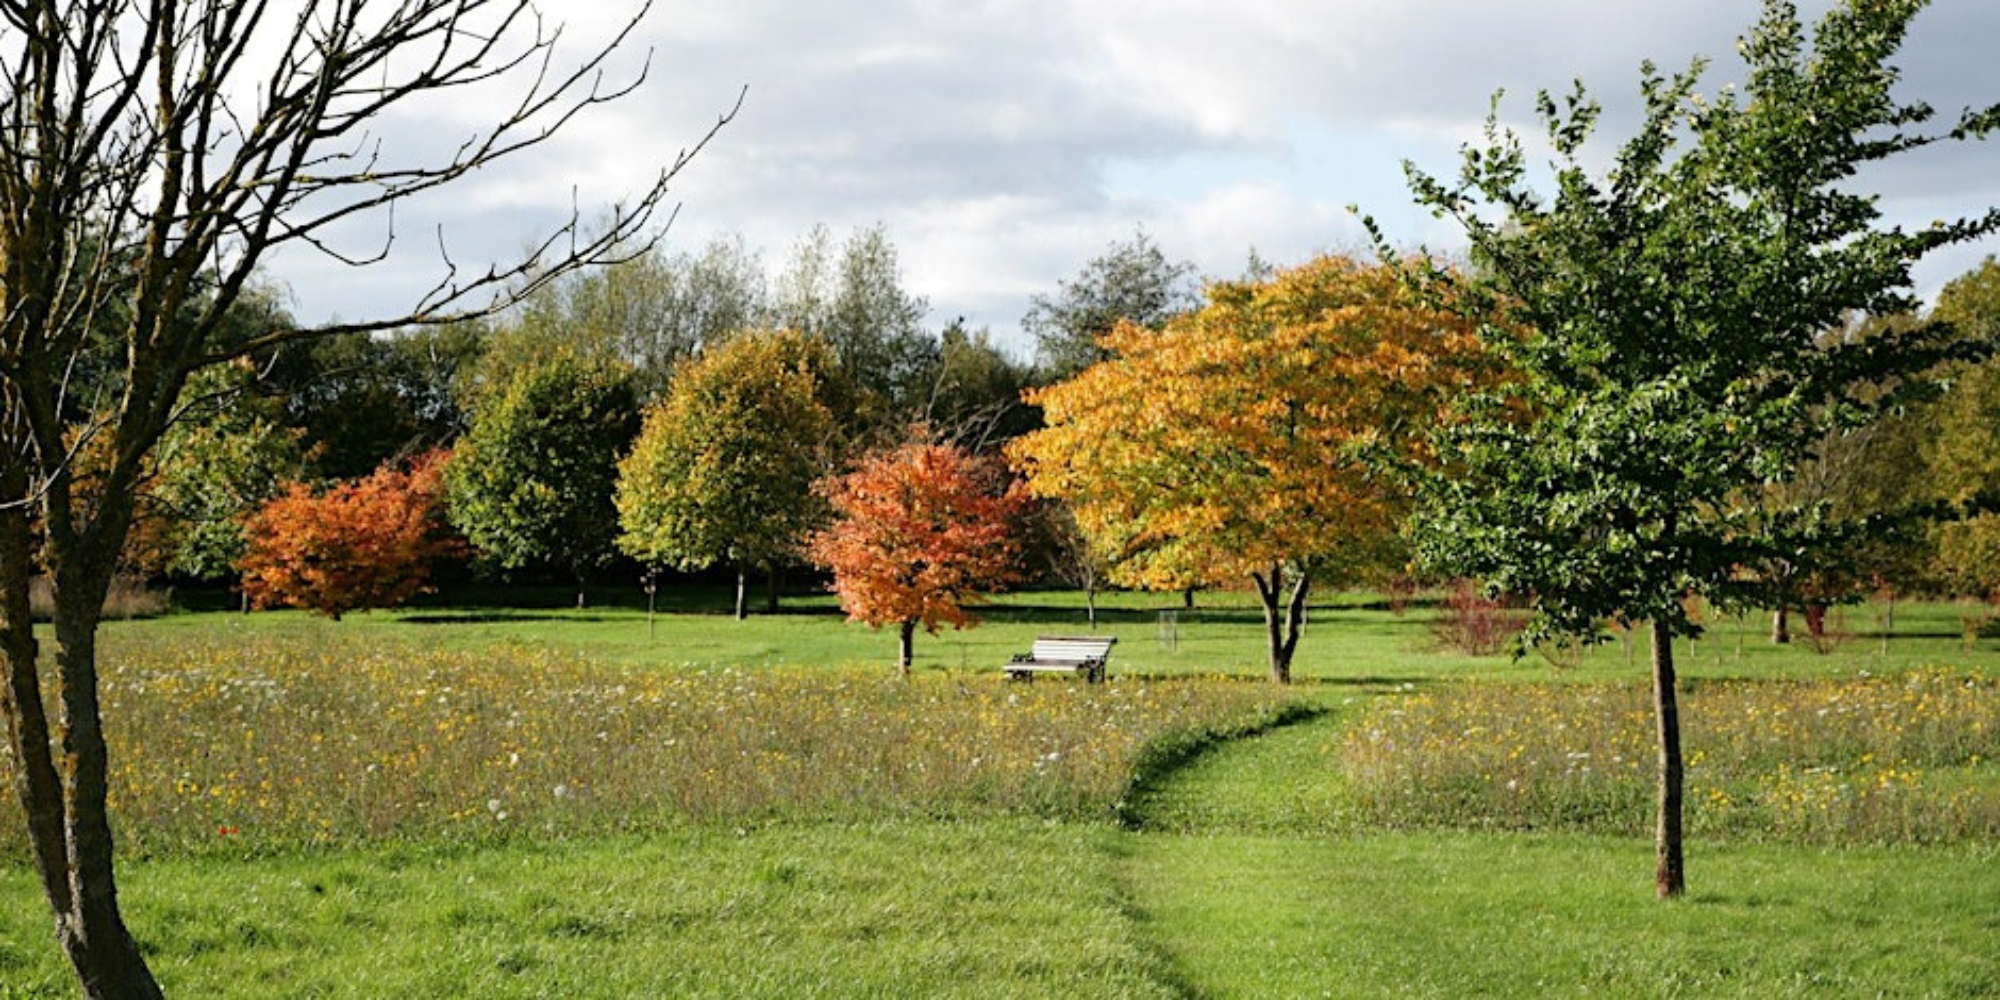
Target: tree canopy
{"points": [[531, 481], [1130, 282], [723, 470], [1238, 441], [919, 532]]}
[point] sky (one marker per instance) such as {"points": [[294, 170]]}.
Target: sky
{"points": [[1002, 144]]}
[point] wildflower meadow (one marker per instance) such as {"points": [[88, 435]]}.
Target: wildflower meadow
{"points": [[239, 746], [1900, 759]]}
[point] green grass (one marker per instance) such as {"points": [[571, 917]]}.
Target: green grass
{"points": [[1254, 873], [985, 909], [1525, 915], [1245, 870], [1349, 638]]}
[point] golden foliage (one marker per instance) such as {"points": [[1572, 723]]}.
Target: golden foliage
{"points": [[1251, 431]]}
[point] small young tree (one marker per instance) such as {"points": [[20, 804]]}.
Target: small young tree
{"points": [[364, 544], [723, 470], [919, 532], [1677, 359]]}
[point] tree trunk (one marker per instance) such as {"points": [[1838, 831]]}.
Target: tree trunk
{"points": [[1816, 619], [1282, 623], [742, 589], [93, 934], [906, 636], [1090, 603], [1670, 874], [1781, 625], [1187, 599], [773, 586]]}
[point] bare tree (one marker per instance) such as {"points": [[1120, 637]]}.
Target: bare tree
{"points": [[152, 154]]}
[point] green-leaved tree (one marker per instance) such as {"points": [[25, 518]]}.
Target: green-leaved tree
{"points": [[1677, 303], [723, 470], [530, 482]]}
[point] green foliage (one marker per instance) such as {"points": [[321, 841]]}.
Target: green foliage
{"points": [[854, 298], [359, 401], [650, 312], [1128, 282], [723, 469], [977, 398], [225, 456], [1677, 308], [531, 481]]}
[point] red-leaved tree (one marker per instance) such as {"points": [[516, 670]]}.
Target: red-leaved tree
{"points": [[368, 543], [919, 532]]}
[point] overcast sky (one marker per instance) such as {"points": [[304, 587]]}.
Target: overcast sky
{"points": [[1003, 143]]}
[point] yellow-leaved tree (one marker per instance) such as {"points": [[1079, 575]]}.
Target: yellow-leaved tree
{"points": [[1247, 439]]}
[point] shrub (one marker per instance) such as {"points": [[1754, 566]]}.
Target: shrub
{"points": [[1473, 623]]}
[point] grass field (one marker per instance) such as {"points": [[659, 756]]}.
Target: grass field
{"points": [[1211, 848]]}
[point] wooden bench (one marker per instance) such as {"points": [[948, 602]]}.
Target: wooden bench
{"points": [[1083, 655]]}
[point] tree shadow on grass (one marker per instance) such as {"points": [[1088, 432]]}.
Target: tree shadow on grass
{"points": [[493, 617]]}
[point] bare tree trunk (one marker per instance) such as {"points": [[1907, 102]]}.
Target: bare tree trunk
{"points": [[1670, 875], [1090, 603], [1781, 625], [906, 643], [36, 783], [93, 933], [1282, 624], [742, 588]]}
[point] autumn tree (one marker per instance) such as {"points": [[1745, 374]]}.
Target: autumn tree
{"points": [[1963, 455], [723, 471], [153, 155], [1239, 441], [919, 532], [1677, 298], [530, 483], [366, 543]]}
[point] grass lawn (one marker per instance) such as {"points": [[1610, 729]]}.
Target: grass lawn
{"points": [[985, 909], [1529, 915], [1350, 637], [1252, 873], [1246, 871]]}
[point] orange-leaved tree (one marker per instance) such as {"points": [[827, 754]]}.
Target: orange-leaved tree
{"points": [[1243, 440], [919, 532], [368, 543]]}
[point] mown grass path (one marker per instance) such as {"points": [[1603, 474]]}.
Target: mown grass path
{"points": [[1250, 879]]}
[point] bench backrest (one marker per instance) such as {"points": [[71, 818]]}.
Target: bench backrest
{"points": [[1076, 649]]}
